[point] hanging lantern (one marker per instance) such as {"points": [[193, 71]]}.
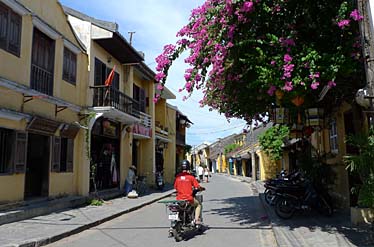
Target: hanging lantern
{"points": [[314, 116], [106, 124], [281, 115]]}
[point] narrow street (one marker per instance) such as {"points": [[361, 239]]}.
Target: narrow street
{"points": [[232, 213]]}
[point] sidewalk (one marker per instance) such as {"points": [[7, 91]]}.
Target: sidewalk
{"points": [[312, 229], [49, 228]]}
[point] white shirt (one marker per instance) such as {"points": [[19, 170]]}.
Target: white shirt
{"points": [[200, 170]]}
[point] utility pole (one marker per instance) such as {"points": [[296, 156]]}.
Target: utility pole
{"points": [[131, 34]]}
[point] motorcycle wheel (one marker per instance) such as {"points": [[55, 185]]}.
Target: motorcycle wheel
{"points": [[177, 232], [284, 208], [269, 197], [323, 207]]}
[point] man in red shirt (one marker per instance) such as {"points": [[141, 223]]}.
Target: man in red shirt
{"points": [[184, 184]]}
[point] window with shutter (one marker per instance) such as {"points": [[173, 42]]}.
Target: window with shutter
{"points": [[6, 150], [69, 66], [20, 157], [142, 99], [10, 30], [3, 26], [15, 24], [70, 156], [100, 72], [56, 152]]}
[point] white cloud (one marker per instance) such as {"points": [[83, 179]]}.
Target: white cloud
{"points": [[156, 23]]}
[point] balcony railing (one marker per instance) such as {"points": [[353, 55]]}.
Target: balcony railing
{"points": [[108, 96], [41, 80], [145, 119], [180, 139]]}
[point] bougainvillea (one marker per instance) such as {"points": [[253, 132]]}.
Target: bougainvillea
{"points": [[242, 52]]}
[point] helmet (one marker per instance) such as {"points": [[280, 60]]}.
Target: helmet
{"points": [[185, 165]]}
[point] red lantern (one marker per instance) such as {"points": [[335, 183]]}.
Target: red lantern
{"points": [[106, 124]]}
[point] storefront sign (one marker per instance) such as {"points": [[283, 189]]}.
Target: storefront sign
{"points": [[43, 126], [142, 130]]}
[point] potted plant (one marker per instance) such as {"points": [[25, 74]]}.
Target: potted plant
{"points": [[363, 164]]}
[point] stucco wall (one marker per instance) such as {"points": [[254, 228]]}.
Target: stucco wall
{"points": [[12, 188]]}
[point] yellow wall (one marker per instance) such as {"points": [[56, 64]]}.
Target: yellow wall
{"points": [[18, 69], [170, 152], [12, 188]]}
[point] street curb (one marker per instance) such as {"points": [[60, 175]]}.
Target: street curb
{"points": [[51, 239]]}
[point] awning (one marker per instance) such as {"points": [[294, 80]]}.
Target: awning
{"points": [[162, 139], [14, 115], [115, 114], [119, 48]]}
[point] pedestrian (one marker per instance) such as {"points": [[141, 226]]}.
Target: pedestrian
{"points": [[130, 179], [200, 172], [206, 174]]}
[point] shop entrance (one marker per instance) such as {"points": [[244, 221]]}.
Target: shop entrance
{"points": [[105, 147], [37, 167]]}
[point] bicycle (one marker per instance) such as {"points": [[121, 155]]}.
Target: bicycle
{"points": [[141, 186]]}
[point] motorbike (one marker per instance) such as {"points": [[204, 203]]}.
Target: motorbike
{"points": [[303, 198], [182, 216], [272, 186], [160, 180]]}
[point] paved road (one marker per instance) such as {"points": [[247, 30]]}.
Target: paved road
{"points": [[232, 212]]}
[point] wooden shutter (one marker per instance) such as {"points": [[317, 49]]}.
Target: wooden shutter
{"points": [[98, 73], [3, 26], [70, 156], [15, 26], [56, 154], [20, 154], [142, 99]]}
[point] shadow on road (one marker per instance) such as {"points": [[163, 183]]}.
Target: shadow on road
{"points": [[242, 210], [339, 223]]}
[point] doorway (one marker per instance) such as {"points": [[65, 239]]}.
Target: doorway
{"points": [[37, 167]]}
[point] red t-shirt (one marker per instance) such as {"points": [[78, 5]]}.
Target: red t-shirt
{"points": [[183, 184]]}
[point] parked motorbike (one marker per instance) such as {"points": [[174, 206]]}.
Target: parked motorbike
{"points": [[182, 217], [160, 180], [272, 186], [302, 197]]}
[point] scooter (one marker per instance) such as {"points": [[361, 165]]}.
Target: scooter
{"points": [[182, 217], [160, 180]]}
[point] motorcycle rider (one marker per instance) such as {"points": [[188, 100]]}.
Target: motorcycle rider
{"points": [[184, 184]]}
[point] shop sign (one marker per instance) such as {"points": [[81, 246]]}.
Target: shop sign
{"points": [[43, 126], [142, 130]]}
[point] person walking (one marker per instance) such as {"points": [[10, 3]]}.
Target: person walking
{"points": [[200, 172], [206, 174], [130, 179]]}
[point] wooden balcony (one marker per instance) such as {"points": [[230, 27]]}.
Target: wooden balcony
{"points": [[41, 80], [109, 96]]}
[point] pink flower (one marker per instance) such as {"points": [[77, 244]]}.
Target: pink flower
{"points": [[343, 23], [287, 58], [271, 90], [314, 85], [272, 62], [355, 15], [160, 87], [331, 84], [288, 86], [160, 76], [247, 6]]}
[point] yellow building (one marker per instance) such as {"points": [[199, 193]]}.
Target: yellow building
{"points": [[112, 106], [43, 81], [164, 137]]}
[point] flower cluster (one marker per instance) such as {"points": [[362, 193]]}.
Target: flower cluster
{"points": [[242, 51]]}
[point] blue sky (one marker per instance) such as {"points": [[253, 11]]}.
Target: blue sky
{"points": [[155, 23]]}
